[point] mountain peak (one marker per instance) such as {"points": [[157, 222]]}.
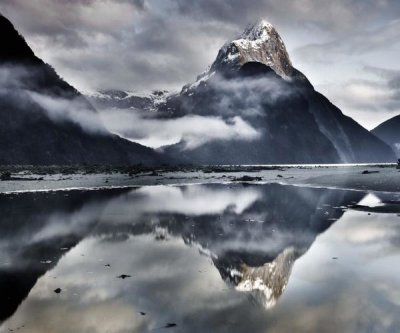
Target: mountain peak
{"points": [[259, 30], [260, 42]]}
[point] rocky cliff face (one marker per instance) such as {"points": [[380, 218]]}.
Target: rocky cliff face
{"points": [[258, 43]]}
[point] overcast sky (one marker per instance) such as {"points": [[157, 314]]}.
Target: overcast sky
{"points": [[349, 49]]}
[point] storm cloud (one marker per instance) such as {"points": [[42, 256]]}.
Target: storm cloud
{"points": [[142, 45]]}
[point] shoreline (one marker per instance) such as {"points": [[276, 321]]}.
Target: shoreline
{"points": [[362, 177]]}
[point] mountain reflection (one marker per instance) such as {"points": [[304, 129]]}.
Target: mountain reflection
{"points": [[252, 233], [36, 229]]}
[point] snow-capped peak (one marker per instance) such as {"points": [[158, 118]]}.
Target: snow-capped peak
{"points": [[260, 42], [258, 31]]}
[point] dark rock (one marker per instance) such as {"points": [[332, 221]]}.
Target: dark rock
{"points": [[247, 179], [367, 172], [170, 325], [5, 176]]}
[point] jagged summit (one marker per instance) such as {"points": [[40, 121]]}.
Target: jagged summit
{"points": [[258, 30], [260, 42]]}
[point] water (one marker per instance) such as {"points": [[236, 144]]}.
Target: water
{"points": [[206, 258]]}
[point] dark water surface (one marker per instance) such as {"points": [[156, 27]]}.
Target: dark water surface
{"points": [[200, 258]]}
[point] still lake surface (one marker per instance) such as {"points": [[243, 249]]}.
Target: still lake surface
{"points": [[200, 258]]}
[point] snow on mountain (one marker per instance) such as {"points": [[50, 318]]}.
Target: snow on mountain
{"points": [[261, 43], [270, 280], [252, 77], [120, 99]]}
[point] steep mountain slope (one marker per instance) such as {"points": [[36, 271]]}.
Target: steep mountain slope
{"points": [[44, 120], [389, 132], [252, 77]]}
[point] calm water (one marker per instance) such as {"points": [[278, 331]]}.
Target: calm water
{"points": [[200, 258]]}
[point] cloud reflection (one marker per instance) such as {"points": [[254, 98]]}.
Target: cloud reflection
{"points": [[205, 257]]}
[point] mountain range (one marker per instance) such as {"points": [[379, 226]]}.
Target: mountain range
{"points": [[253, 78], [44, 120]]}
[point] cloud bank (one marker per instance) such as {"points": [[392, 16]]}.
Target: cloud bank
{"points": [[143, 45], [193, 130]]}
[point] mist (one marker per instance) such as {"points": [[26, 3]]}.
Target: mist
{"points": [[193, 130]]}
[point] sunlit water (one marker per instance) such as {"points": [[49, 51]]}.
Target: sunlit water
{"points": [[200, 258]]}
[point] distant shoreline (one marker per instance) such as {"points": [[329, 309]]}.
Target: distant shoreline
{"points": [[364, 177]]}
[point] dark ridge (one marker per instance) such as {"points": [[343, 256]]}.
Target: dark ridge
{"points": [[30, 136], [15, 49]]}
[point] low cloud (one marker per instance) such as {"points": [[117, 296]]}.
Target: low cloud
{"points": [[25, 89], [193, 130], [73, 110], [249, 96]]}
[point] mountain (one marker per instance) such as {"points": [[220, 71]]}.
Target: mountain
{"points": [[32, 256], [389, 132], [44, 120], [253, 77]]}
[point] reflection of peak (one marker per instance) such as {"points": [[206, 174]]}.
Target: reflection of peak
{"points": [[32, 256], [270, 280], [219, 220]]}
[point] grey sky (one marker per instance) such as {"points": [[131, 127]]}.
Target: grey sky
{"points": [[348, 49]]}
